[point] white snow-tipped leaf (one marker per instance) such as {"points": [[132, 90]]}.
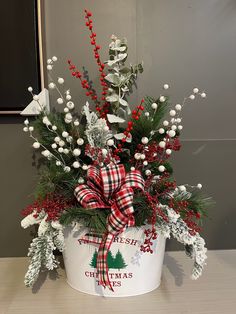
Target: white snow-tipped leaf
{"points": [[122, 56], [122, 48], [114, 119], [123, 102], [119, 136], [112, 98]]}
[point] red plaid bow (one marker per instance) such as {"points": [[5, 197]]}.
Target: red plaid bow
{"points": [[110, 187]]}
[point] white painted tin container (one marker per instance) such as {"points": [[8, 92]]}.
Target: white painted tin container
{"points": [[131, 271]]}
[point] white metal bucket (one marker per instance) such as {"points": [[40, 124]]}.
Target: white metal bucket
{"points": [[131, 271]]}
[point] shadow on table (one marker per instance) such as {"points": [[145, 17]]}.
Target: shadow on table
{"points": [[52, 275], [174, 268]]}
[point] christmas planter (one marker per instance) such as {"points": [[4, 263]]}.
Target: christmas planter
{"points": [[131, 272], [106, 196]]}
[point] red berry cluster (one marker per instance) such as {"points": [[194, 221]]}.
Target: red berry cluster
{"points": [[174, 144], [178, 206], [150, 234], [182, 207], [135, 116], [52, 204], [156, 210]]}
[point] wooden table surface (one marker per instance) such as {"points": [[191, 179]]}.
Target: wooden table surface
{"points": [[214, 292]]}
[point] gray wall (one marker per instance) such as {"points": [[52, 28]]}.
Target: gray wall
{"points": [[185, 43]]}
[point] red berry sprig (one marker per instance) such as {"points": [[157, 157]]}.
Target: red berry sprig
{"points": [[89, 23], [84, 83], [135, 116]]}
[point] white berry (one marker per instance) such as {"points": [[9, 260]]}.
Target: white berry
{"points": [[30, 89], [162, 144], [145, 163], [54, 127], [81, 180], [58, 163], [60, 101], [199, 186], [154, 106], [148, 172], [60, 149], [26, 122], [162, 98], [203, 95], [67, 169], [192, 97], [142, 156], [85, 167], [182, 188], [31, 128], [178, 107], [137, 156], [76, 123], [166, 86], [60, 80], [49, 61], [76, 152], [61, 143], [49, 67], [180, 127], [57, 139], [68, 97], [80, 141], [68, 117], [144, 140], [171, 133], [168, 151], [161, 168], [66, 110], [195, 90], [172, 113], [173, 127], [110, 142], [76, 164], [165, 123], [66, 151], [54, 58], [46, 153], [161, 131], [132, 168], [51, 85], [70, 105], [178, 120], [54, 145], [69, 139], [104, 151], [36, 145], [65, 134], [146, 114]]}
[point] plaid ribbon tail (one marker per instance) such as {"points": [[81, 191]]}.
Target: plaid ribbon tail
{"points": [[102, 265]]}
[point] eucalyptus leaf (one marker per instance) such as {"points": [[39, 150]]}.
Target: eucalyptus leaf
{"points": [[112, 98], [123, 102], [112, 78]]}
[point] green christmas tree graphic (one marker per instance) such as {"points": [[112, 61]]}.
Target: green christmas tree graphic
{"points": [[119, 261], [113, 263], [93, 262]]}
